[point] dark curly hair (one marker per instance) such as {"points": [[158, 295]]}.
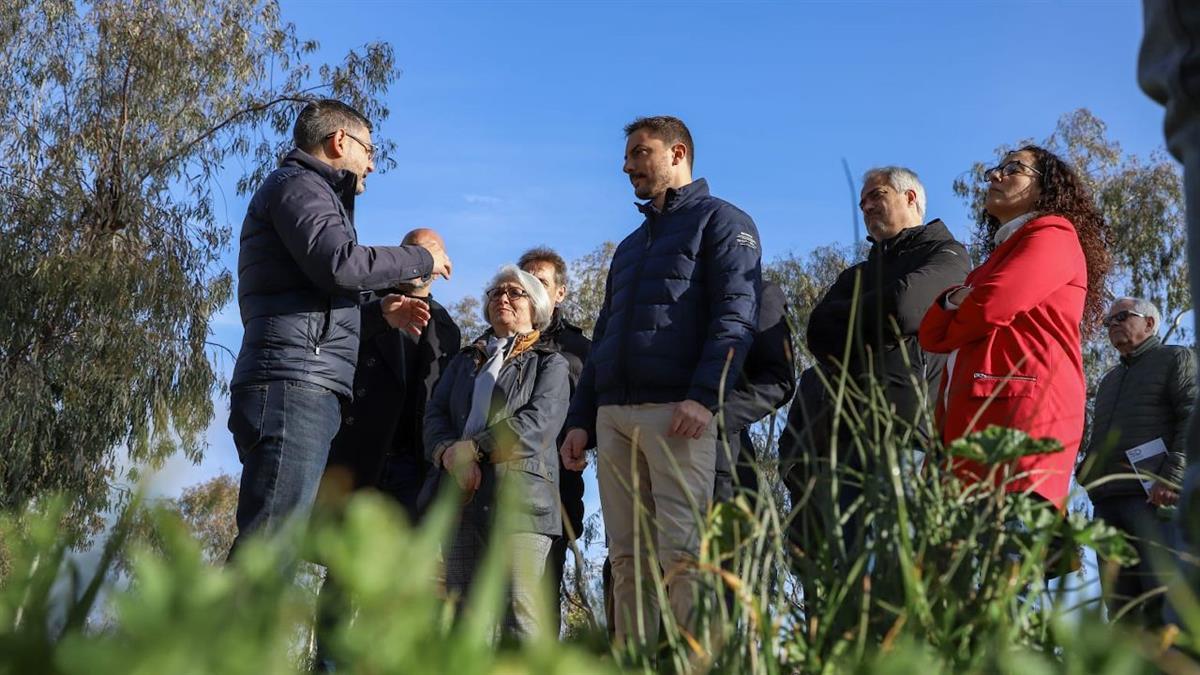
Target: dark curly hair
{"points": [[1064, 194]]}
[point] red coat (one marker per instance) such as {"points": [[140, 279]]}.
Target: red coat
{"points": [[1019, 362]]}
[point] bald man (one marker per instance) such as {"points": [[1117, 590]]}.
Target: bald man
{"points": [[376, 447], [379, 444]]}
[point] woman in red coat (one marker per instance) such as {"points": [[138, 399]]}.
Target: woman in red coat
{"points": [[1013, 330]]}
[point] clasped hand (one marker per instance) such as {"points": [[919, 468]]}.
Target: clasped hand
{"points": [[459, 460]]}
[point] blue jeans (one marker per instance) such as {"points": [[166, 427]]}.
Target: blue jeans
{"points": [[282, 431]]}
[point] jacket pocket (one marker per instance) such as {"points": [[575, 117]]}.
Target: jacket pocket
{"points": [[991, 385], [540, 492], [534, 466], [247, 413], [325, 321]]}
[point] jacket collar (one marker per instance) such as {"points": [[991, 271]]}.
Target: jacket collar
{"points": [[558, 323], [341, 181], [676, 199], [934, 230], [1136, 355], [1008, 229], [522, 343]]}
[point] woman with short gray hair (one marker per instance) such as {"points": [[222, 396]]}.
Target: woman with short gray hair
{"points": [[494, 417], [538, 298]]}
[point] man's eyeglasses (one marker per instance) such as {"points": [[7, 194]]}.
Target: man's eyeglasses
{"points": [[1120, 317], [1009, 168], [513, 293], [366, 146]]}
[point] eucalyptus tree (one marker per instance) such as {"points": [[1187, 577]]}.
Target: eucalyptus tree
{"points": [[125, 128], [585, 297]]}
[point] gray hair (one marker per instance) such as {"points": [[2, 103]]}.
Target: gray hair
{"points": [[539, 299], [1144, 307], [902, 180], [321, 118]]}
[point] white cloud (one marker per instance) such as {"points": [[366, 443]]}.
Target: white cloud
{"points": [[482, 200]]}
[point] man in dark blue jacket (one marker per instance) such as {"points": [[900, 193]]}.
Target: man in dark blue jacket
{"points": [[680, 310], [301, 278]]}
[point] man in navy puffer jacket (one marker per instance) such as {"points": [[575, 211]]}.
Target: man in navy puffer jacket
{"points": [[301, 278], [680, 310]]}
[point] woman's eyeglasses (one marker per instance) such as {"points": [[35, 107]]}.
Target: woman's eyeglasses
{"points": [[513, 294], [1009, 168]]}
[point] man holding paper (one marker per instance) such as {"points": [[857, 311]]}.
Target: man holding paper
{"points": [[1137, 445]]}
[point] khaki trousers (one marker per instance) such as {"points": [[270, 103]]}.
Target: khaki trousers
{"points": [[672, 479]]}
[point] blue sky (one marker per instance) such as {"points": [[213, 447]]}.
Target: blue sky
{"points": [[508, 116]]}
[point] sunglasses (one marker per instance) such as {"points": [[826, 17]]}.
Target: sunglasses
{"points": [[1120, 317]]}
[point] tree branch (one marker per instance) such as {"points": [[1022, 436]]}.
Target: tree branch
{"points": [[218, 344], [214, 130], [1175, 324]]}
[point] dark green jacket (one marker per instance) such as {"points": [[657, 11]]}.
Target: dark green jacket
{"points": [[1148, 395]]}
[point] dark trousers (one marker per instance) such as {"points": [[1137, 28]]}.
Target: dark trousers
{"points": [[571, 494], [282, 431], [1135, 517], [742, 474], [556, 562], [402, 478]]}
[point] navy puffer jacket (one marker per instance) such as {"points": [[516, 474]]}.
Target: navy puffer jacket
{"points": [[680, 301], [302, 276]]}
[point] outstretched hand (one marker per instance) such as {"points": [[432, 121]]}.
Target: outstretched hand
{"points": [[441, 260], [404, 313]]}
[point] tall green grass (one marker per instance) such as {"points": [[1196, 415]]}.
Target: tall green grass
{"points": [[939, 577]]}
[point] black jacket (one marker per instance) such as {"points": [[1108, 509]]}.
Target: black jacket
{"points": [[570, 341], [302, 275], [394, 379], [768, 377], [529, 405], [1148, 395], [680, 298], [767, 382], [898, 282]]}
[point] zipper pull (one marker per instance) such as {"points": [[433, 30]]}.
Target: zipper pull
{"points": [[318, 350]]}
